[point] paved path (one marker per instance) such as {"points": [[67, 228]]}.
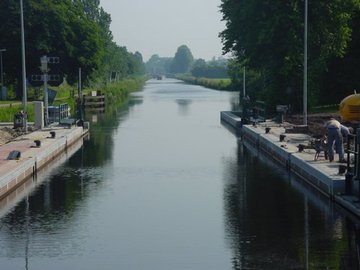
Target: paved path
{"points": [[13, 172]]}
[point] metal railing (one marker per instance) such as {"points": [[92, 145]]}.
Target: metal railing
{"points": [[352, 153]]}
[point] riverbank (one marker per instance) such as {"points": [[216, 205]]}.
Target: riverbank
{"points": [[115, 92], [290, 147]]}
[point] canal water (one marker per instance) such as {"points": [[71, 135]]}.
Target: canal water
{"points": [[162, 184]]}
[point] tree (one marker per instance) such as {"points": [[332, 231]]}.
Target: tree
{"points": [[267, 36], [157, 65], [182, 61], [213, 69], [52, 28]]}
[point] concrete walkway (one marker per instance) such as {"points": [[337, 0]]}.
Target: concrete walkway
{"points": [[323, 175], [32, 158]]}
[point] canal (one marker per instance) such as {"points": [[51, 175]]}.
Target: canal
{"points": [[162, 184]]}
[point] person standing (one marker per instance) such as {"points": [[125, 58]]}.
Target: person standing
{"points": [[335, 138], [345, 131]]}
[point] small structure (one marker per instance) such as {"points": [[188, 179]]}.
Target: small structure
{"points": [[57, 113], [94, 102]]}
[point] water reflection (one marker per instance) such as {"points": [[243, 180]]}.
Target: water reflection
{"points": [[162, 185], [184, 106], [274, 222]]}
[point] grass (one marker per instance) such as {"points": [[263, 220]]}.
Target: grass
{"points": [[7, 113], [218, 84]]}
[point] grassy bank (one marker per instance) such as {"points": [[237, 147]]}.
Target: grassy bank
{"points": [[7, 113], [115, 93], [218, 84]]}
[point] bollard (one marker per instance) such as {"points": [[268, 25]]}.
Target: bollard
{"points": [[37, 143], [52, 134], [342, 169], [267, 130], [301, 147], [282, 137], [348, 183]]}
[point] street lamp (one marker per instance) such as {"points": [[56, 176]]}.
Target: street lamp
{"points": [[23, 66], [1, 69], [305, 64], [44, 69]]}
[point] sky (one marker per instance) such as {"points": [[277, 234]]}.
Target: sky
{"points": [[161, 26]]}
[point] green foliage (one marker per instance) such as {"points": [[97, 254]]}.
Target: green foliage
{"points": [[116, 91], [158, 65], [267, 37], [7, 113], [218, 84], [53, 28], [253, 82], [182, 61], [76, 31], [212, 69]]}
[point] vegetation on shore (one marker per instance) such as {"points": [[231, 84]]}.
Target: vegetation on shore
{"points": [[267, 38], [115, 93], [72, 35], [218, 84]]}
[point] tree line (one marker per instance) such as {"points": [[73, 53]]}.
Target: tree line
{"points": [[76, 31], [183, 62], [267, 37]]}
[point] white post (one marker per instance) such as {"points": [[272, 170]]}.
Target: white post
{"points": [[305, 64], [46, 98], [23, 67], [44, 69]]}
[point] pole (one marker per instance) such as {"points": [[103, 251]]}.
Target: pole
{"points": [[305, 63], [244, 83], [79, 85], [1, 68], [44, 68], [79, 100], [46, 99], [23, 67]]}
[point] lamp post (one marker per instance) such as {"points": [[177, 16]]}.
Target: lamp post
{"points": [[1, 69], [23, 67], [305, 64]]}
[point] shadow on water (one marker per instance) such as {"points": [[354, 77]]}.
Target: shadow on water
{"points": [[274, 221], [157, 214], [58, 191], [100, 148]]}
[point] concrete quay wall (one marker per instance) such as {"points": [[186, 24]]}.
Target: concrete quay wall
{"points": [[15, 172], [288, 156], [320, 174], [231, 118]]}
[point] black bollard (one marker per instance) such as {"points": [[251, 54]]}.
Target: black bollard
{"points": [[52, 134], [37, 143], [348, 183]]}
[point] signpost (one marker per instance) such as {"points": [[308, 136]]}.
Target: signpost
{"points": [[45, 77]]}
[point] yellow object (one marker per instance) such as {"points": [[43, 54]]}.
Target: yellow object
{"points": [[350, 108]]}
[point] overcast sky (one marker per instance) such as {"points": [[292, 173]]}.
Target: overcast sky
{"points": [[161, 26]]}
